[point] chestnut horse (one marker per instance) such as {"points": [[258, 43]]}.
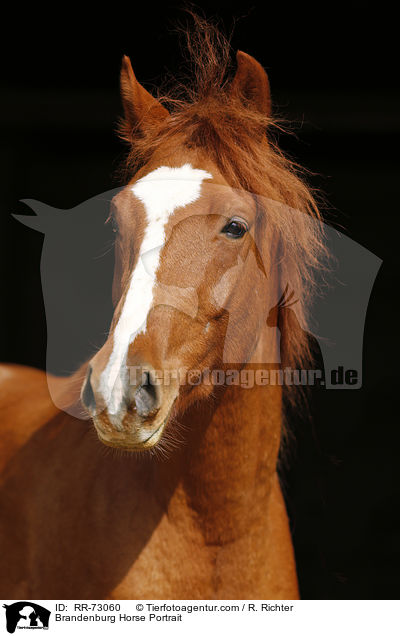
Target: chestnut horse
{"points": [[191, 505]]}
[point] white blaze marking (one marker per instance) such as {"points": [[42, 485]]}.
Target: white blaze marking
{"points": [[161, 191]]}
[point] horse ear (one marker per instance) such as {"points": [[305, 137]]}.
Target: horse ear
{"points": [[139, 106], [251, 83]]}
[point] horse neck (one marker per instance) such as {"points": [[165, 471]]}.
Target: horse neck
{"points": [[226, 470]]}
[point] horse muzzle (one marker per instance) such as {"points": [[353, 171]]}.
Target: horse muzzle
{"points": [[137, 419]]}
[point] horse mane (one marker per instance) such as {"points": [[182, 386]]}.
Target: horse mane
{"points": [[206, 116]]}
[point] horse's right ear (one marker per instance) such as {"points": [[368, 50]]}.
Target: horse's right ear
{"points": [[251, 83], [140, 108]]}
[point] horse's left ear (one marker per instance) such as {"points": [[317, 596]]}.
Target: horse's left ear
{"points": [[139, 106], [251, 83]]}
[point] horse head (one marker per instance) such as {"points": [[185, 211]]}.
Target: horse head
{"points": [[195, 251]]}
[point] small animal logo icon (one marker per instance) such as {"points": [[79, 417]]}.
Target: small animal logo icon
{"points": [[26, 615]]}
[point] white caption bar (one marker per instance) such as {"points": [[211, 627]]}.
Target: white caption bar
{"points": [[174, 617]]}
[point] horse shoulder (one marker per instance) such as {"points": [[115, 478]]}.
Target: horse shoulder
{"points": [[25, 405]]}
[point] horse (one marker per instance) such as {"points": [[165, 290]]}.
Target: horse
{"points": [[187, 504]]}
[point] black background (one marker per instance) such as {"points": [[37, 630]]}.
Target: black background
{"points": [[335, 74]]}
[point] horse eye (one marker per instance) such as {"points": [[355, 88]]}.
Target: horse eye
{"points": [[235, 228]]}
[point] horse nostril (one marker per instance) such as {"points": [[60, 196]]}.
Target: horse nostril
{"points": [[146, 396], [87, 395]]}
